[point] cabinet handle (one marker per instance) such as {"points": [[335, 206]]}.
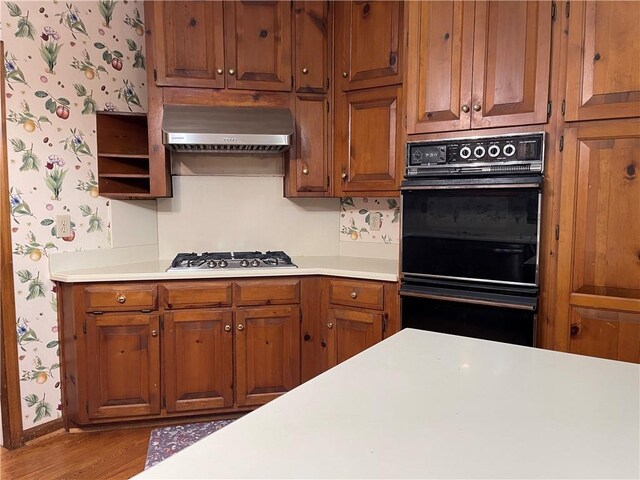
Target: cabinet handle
{"points": [[345, 74], [354, 295], [232, 71], [343, 176], [465, 108], [227, 328], [477, 107], [154, 333], [121, 298], [305, 171], [575, 329], [220, 71], [305, 70], [240, 327], [329, 325]]}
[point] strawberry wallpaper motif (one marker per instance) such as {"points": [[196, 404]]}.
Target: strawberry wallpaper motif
{"points": [[63, 62]]}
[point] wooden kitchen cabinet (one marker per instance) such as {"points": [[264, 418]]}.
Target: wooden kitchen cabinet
{"points": [[312, 46], [598, 276], [369, 142], [369, 39], [477, 65], [603, 77], [349, 332], [189, 44], [123, 362]]}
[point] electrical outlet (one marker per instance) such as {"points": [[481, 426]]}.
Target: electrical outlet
{"points": [[375, 221], [63, 226]]}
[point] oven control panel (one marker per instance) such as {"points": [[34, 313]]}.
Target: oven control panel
{"points": [[506, 154]]}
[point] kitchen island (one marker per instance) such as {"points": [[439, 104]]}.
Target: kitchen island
{"points": [[428, 405]]}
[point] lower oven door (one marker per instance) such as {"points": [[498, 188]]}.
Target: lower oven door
{"points": [[489, 316]]}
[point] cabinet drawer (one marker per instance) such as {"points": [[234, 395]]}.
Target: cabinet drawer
{"points": [[196, 294], [357, 294], [120, 297], [272, 292]]}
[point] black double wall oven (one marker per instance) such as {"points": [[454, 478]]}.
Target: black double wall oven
{"points": [[470, 236]]}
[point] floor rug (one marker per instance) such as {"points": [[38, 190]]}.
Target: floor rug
{"points": [[166, 441]]}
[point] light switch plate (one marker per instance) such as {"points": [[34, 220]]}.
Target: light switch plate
{"points": [[63, 226]]}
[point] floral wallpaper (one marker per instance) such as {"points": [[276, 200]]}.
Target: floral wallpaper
{"points": [[63, 62], [356, 220]]}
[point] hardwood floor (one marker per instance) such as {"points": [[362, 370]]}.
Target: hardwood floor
{"points": [[115, 454]]}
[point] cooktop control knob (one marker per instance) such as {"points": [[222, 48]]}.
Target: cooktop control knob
{"points": [[211, 263], [223, 263], [244, 262], [494, 151], [479, 151], [255, 262], [509, 150], [465, 152]]}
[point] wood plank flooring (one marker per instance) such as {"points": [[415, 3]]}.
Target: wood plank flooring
{"points": [[114, 454]]}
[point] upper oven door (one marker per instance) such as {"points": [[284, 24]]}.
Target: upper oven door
{"points": [[472, 232]]}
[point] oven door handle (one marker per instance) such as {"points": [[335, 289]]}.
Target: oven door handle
{"points": [[469, 186], [475, 301]]}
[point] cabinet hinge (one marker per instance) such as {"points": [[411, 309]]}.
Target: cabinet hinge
{"points": [[84, 327], [567, 9], [385, 319], [328, 181], [553, 11], [328, 83], [300, 316], [164, 401], [549, 109], [161, 323], [407, 39], [557, 232], [328, 107], [86, 407], [561, 142], [155, 75], [563, 107]]}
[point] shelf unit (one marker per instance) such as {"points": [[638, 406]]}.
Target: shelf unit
{"points": [[124, 169]]}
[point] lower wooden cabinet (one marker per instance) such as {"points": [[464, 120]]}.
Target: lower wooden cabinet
{"points": [[349, 332]]}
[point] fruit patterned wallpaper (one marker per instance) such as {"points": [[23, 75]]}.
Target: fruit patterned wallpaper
{"points": [[63, 61], [356, 220]]}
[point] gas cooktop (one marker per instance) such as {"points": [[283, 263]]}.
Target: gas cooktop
{"points": [[225, 260]]}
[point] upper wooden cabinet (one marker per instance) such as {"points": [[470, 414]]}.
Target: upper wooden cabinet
{"points": [[243, 45], [312, 34], [189, 47], [477, 65], [603, 60], [369, 43]]}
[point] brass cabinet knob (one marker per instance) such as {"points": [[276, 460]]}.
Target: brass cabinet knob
{"points": [[465, 108], [154, 333], [232, 71], [354, 295], [227, 328], [240, 327], [121, 298], [343, 176], [477, 107], [329, 325], [345, 74], [305, 70], [305, 171], [220, 71]]}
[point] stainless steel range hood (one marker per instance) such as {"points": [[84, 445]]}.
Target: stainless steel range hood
{"points": [[198, 129]]}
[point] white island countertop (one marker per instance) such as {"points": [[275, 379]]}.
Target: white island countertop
{"points": [[428, 405], [155, 269]]}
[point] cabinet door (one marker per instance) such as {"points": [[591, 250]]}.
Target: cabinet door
{"points": [[198, 360], [311, 166], [369, 141], [312, 36], [258, 45], [123, 365], [603, 77], [350, 332], [267, 353], [368, 43], [599, 240], [189, 50], [439, 59], [512, 54]]}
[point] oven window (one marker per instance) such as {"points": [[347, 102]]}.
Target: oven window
{"points": [[481, 234], [468, 320]]}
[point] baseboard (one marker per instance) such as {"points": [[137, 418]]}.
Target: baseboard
{"points": [[41, 430]]}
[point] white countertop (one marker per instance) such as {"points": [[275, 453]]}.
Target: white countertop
{"points": [[428, 405], [353, 267]]}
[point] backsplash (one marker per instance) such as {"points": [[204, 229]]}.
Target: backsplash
{"points": [[63, 61], [355, 220]]}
